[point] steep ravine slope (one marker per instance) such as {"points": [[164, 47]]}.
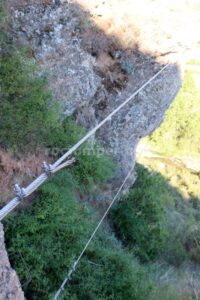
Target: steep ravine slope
{"points": [[90, 73]]}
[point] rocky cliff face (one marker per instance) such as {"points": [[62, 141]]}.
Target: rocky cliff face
{"points": [[10, 288], [91, 73]]}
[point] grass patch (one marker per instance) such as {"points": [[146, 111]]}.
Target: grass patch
{"points": [[180, 132]]}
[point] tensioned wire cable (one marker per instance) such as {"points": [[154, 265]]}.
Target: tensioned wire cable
{"points": [[73, 268], [44, 176]]}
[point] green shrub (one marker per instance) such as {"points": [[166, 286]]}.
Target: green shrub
{"points": [[49, 236], [109, 273], [174, 252], [26, 114], [138, 217], [92, 169], [64, 136], [91, 166]]}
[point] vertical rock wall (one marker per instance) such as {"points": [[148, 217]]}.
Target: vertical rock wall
{"points": [[10, 288]]}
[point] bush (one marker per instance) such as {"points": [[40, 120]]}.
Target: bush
{"points": [[50, 235], [138, 217], [26, 114], [109, 273], [64, 136], [174, 252], [91, 167]]}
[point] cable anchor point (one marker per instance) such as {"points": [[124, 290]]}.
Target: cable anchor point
{"points": [[47, 168], [20, 192]]}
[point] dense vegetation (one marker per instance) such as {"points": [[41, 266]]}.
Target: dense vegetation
{"points": [[50, 235]]}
